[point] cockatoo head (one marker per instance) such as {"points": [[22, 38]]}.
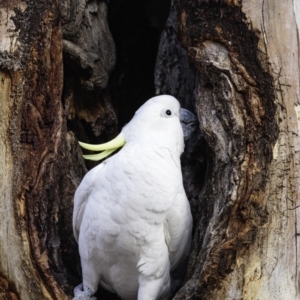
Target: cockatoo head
{"points": [[159, 122]]}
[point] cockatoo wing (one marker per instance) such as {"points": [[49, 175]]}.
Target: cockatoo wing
{"points": [[81, 198], [178, 229]]}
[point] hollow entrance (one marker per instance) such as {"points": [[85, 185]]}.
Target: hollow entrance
{"points": [[136, 27], [150, 61]]}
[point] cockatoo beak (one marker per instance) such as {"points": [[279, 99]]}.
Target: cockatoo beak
{"points": [[188, 122], [107, 148]]}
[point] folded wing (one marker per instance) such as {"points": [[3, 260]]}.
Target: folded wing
{"points": [[81, 197]]}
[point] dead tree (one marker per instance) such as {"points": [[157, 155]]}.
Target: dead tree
{"points": [[235, 63]]}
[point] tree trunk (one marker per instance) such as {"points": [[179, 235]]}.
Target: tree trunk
{"points": [[31, 125], [238, 70], [41, 160], [246, 59]]}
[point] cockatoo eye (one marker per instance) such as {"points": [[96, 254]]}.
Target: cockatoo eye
{"points": [[166, 113]]}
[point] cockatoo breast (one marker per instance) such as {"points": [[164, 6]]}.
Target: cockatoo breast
{"points": [[126, 213], [131, 184]]}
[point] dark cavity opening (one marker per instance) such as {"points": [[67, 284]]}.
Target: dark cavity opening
{"points": [[136, 27]]}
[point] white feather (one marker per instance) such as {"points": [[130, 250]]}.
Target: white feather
{"points": [[131, 216]]}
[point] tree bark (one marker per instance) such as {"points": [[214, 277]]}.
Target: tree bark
{"points": [[40, 158], [238, 71], [31, 77], [247, 99]]}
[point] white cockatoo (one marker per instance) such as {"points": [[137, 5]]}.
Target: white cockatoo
{"points": [[131, 217]]}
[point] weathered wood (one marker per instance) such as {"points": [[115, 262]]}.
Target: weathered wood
{"points": [[41, 160], [246, 112], [244, 86], [89, 57], [27, 56], [8, 227]]}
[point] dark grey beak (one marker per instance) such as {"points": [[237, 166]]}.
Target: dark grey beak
{"points": [[188, 122]]}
